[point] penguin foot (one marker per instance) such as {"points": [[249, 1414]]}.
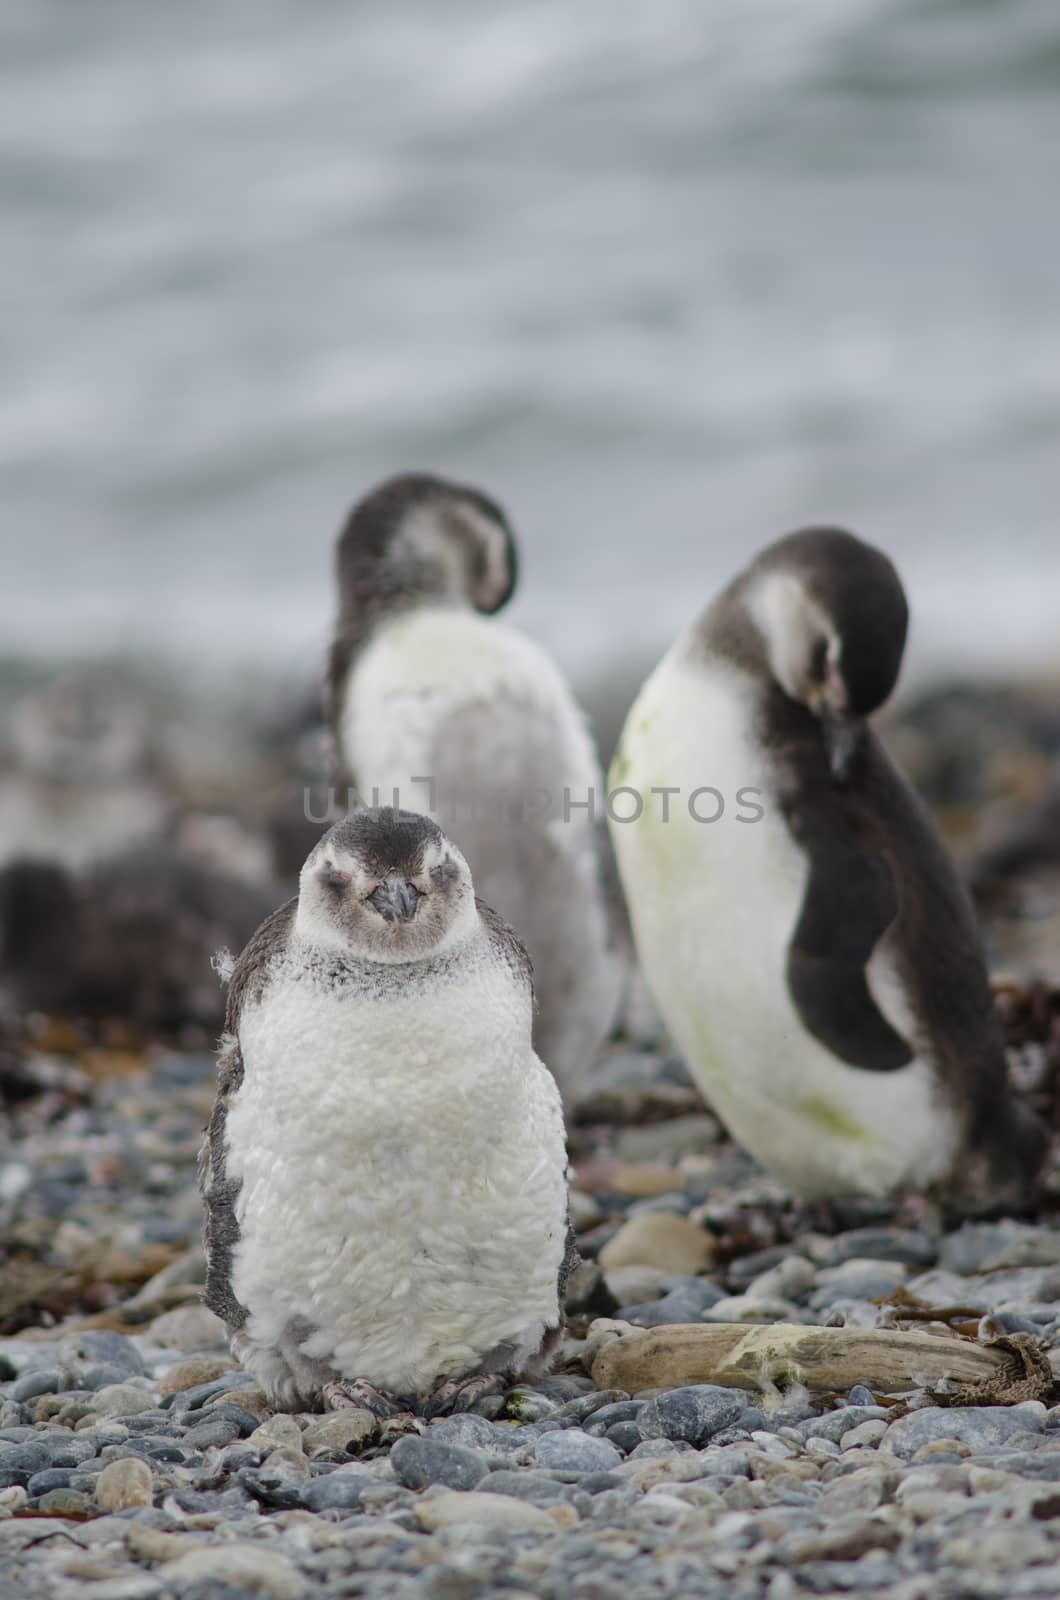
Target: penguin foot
{"points": [[460, 1394], [365, 1396]]}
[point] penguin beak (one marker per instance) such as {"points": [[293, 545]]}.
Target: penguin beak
{"points": [[842, 733], [395, 900]]}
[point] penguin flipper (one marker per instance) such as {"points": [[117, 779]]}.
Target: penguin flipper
{"points": [[219, 1192], [849, 903]]}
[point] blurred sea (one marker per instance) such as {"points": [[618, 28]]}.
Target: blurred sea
{"points": [[668, 278]]}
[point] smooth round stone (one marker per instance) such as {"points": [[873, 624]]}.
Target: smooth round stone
{"points": [[475, 1432], [595, 1483], [693, 1414], [684, 1304], [194, 1373], [51, 1478], [191, 1399], [861, 1395], [43, 1380], [625, 1436], [31, 1457], [979, 1427], [335, 1491], [101, 1345], [575, 1451], [68, 1449], [102, 1376], [536, 1487], [214, 1434], [120, 1400], [907, 1245], [64, 1502], [420, 1460], [607, 1416], [124, 1483], [590, 1405], [527, 1405]]}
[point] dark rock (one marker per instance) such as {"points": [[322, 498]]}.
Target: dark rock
{"points": [[50, 1478], [335, 1491], [625, 1436], [418, 1461], [693, 1414], [208, 1435]]}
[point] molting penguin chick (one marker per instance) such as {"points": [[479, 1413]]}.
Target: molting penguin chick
{"points": [[423, 685], [818, 964], [384, 1172]]}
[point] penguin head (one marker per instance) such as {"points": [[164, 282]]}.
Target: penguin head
{"points": [[832, 615], [386, 885], [420, 538]]}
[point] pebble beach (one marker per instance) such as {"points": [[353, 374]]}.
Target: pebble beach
{"points": [[137, 1461]]}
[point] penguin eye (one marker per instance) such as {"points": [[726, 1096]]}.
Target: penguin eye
{"points": [[444, 872]]}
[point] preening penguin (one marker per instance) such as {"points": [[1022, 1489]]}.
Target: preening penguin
{"points": [[815, 955], [384, 1172], [432, 700]]}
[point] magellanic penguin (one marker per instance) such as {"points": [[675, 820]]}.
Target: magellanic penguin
{"points": [[434, 702], [797, 917], [384, 1172]]}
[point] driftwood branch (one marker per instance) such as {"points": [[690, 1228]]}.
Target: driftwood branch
{"points": [[774, 1357]]}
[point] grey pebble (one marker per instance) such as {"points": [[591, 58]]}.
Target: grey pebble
{"points": [[42, 1380], [981, 1427], [683, 1305], [617, 1411], [102, 1374], [575, 1451], [49, 1478], [101, 1345], [191, 1399], [30, 1457], [692, 1414], [213, 1434], [911, 1246], [537, 1487], [419, 1461], [335, 1491], [625, 1436]]}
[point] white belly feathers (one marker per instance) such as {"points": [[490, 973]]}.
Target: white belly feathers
{"points": [[714, 906], [400, 1161]]}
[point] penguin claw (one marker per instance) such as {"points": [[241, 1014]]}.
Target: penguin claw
{"points": [[460, 1394], [365, 1396]]}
